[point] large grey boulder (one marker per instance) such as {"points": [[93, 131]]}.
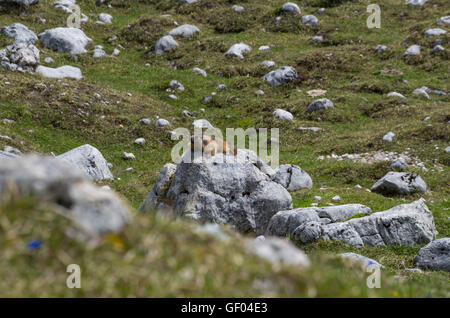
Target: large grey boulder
{"points": [[165, 44], [90, 160], [405, 224], [319, 104], [285, 222], [65, 40], [93, 211], [292, 177], [281, 76], [154, 199], [291, 8], [238, 50], [435, 255], [278, 251], [20, 57], [225, 189], [399, 183], [20, 33], [65, 71], [185, 30]]}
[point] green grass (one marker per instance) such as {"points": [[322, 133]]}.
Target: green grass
{"points": [[166, 258]]}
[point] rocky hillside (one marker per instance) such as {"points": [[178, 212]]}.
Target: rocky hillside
{"points": [[87, 115]]}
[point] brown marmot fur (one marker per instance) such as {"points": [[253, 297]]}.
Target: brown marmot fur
{"points": [[213, 145]]}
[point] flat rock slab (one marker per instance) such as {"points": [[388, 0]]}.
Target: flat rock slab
{"points": [[65, 71]]}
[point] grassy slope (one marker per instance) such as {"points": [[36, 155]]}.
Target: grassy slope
{"points": [[60, 120]]}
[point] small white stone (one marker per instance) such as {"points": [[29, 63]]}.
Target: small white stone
{"points": [[336, 198], [128, 156], [139, 141]]}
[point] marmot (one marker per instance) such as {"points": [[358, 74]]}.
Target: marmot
{"points": [[213, 145]]}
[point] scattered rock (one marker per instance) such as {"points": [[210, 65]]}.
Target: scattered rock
{"points": [[435, 255], [317, 38], [99, 52], [381, 48], [176, 85], [316, 92], [128, 156], [336, 198], [165, 44], [185, 30], [283, 114], [20, 57], [395, 94], [323, 103], [437, 49], [281, 76], [399, 183], [90, 160], [20, 33], [389, 137], [268, 63], [417, 2], [238, 50], [292, 177], [65, 40], [162, 123], [421, 91], [444, 20], [398, 164], [199, 71], [105, 18], [145, 121], [291, 8], [140, 141], [310, 20], [202, 123], [434, 32], [413, 50]]}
